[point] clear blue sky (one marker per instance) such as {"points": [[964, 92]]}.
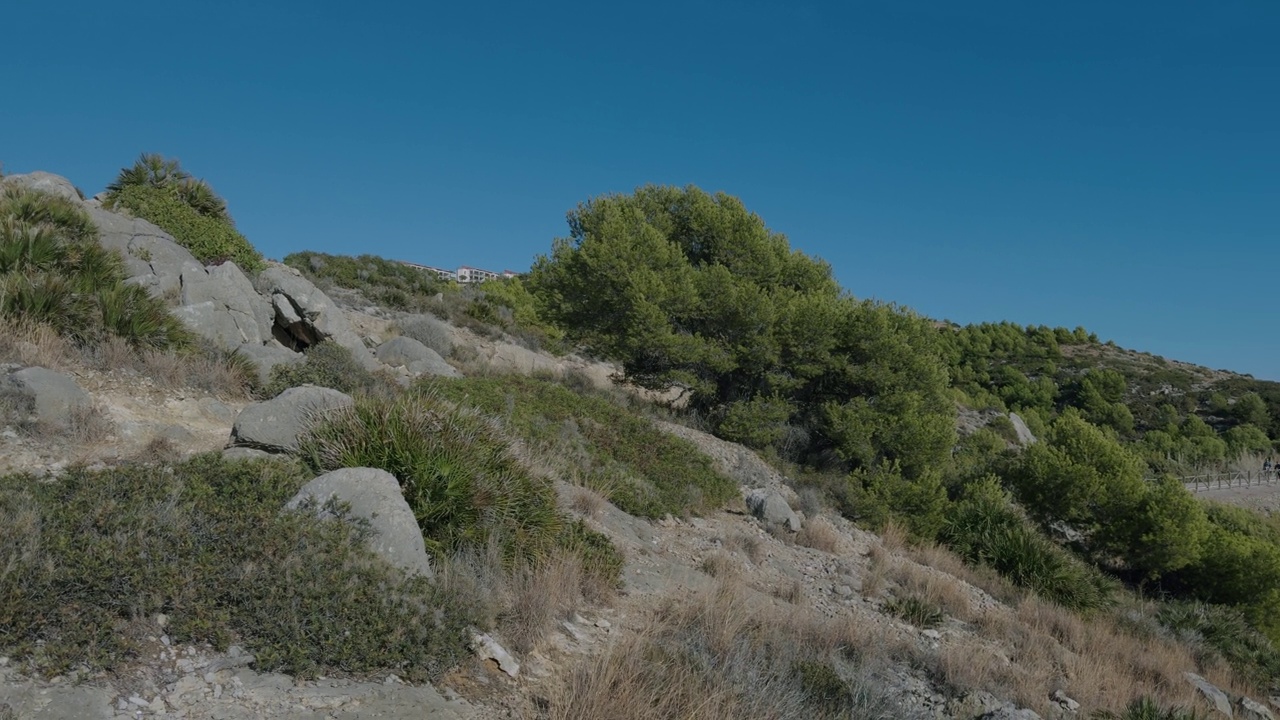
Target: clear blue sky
{"points": [[1108, 164]]}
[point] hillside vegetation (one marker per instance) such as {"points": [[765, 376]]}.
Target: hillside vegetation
{"points": [[1082, 550]]}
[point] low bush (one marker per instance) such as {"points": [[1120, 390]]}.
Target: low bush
{"points": [[1226, 632], [87, 561], [647, 472], [385, 282], [984, 527], [915, 610], [430, 332], [465, 487], [326, 364], [1147, 709]]}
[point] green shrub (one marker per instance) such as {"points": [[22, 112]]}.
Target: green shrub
{"points": [[984, 527], [210, 239], [465, 487], [430, 332], [822, 684], [875, 496], [1227, 632], [326, 364], [915, 610], [54, 272], [90, 559], [648, 472]]}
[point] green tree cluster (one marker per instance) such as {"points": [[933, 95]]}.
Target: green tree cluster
{"points": [[160, 191], [691, 290]]}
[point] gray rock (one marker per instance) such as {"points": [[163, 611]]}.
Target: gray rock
{"points": [[276, 425], [1025, 436], [1217, 698], [54, 398], [402, 350], [976, 703], [772, 508], [1066, 702], [46, 182], [417, 358], [1251, 709], [152, 258], [267, 357], [430, 331], [1011, 712], [245, 453], [221, 305], [303, 315], [32, 700], [376, 496]]}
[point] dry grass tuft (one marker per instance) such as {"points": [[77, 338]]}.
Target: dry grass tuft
{"points": [[720, 565], [819, 534], [720, 656], [792, 592], [750, 546], [587, 502], [38, 345]]}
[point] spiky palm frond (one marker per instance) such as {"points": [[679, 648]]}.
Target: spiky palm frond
{"points": [[27, 248], [200, 197], [51, 299], [36, 208], [149, 169], [129, 312], [93, 266]]}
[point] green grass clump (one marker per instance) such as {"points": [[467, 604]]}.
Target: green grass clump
{"points": [[465, 487], [1225, 631], [326, 364], [54, 272], [985, 528], [1147, 709], [915, 610], [86, 561], [643, 470]]}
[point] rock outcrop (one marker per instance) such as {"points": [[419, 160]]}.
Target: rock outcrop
{"points": [[277, 424], [415, 357], [303, 315], [53, 399], [374, 495]]}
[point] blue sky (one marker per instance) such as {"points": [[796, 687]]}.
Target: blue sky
{"points": [[1112, 165]]}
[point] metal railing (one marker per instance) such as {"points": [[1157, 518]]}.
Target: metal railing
{"points": [[1231, 479]]}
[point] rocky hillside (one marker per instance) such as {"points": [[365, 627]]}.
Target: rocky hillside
{"points": [[326, 507]]}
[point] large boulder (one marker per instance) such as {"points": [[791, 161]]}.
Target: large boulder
{"points": [[276, 425], [417, 358], [151, 256], [221, 305], [303, 315], [267, 357], [374, 495], [46, 182], [52, 398], [1250, 709], [1215, 697], [772, 508], [1025, 436]]}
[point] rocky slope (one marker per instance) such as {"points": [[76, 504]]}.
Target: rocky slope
{"points": [[993, 653]]}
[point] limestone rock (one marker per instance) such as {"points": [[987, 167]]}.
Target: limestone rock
{"points": [[376, 496], [417, 358], [152, 258], [53, 397], [1217, 698], [46, 182], [1251, 709], [772, 508], [220, 304], [303, 315], [1025, 436], [487, 648], [267, 357], [277, 424]]}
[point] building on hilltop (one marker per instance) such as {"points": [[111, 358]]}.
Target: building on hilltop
{"points": [[464, 274]]}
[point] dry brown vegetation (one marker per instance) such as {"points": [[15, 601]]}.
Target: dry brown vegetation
{"points": [[819, 534]]}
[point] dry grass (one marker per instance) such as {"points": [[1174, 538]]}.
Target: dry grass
{"points": [[587, 502], [720, 565], [819, 534], [933, 587], [721, 656], [751, 546], [38, 345], [792, 592]]}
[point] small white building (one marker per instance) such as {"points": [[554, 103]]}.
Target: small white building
{"points": [[464, 274]]}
